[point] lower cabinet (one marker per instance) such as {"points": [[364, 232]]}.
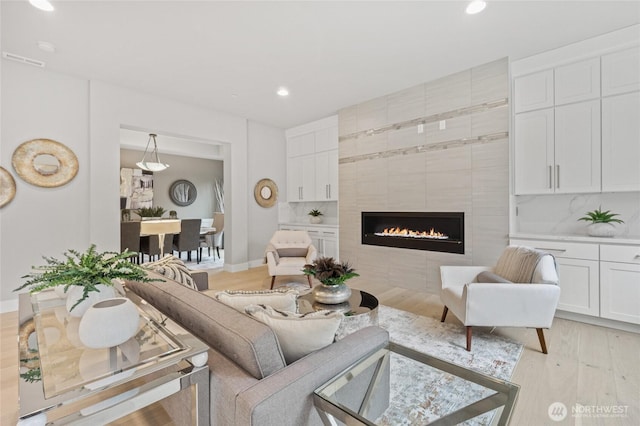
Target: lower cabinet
{"points": [[579, 286], [620, 283], [324, 238]]}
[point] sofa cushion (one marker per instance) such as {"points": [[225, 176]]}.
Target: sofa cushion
{"points": [[299, 334], [249, 343], [173, 268], [281, 299], [293, 251]]}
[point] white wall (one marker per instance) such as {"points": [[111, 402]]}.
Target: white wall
{"points": [[266, 155], [87, 117]]}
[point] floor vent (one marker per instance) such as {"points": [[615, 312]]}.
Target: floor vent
{"points": [[24, 60]]}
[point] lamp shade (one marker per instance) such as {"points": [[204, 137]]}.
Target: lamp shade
{"points": [[152, 166]]}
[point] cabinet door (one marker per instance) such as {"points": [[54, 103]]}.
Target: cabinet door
{"points": [[621, 143], [621, 72], [577, 148], [620, 291], [577, 82], [330, 248], [316, 240], [332, 167], [308, 165], [327, 176], [533, 91], [326, 139], [534, 142], [301, 145], [579, 286], [294, 179]]}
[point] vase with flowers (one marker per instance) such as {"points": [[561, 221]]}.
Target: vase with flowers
{"points": [[602, 222], [332, 276]]}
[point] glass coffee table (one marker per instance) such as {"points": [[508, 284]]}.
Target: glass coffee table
{"points": [[427, 390], [62, 381]]}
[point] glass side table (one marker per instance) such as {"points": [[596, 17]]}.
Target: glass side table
{"points": [[62, 381], [361, 310], [471, 393]]}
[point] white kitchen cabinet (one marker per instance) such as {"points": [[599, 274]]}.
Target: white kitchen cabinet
{"points": [[326, 139], [534, 145], [301, 172], [620, 283], [621, 143], [324, 238], [577, 148], [579, 81], [533, 91], [621, 72], [327, 176], [301, 144]]}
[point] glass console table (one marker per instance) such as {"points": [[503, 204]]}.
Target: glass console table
{"points": [[64, 382], [471, 394]]}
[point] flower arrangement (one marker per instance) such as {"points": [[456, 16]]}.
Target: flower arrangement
{"points": [[86, 270], [330, 272], [598, 216], [315, 213]]}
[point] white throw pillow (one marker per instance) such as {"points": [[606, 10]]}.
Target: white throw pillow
{"points": [[281, 299], [298, 334], [172, 268]]}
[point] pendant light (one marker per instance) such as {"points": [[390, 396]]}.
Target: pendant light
{"points": [[151, 166]]}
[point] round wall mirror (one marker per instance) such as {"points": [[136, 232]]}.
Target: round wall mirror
{"points": [[182, 192], [266, 192], [45, 162]]}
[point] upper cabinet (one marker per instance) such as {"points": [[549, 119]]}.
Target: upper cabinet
{"points": [[312, 161], [577, 125]]}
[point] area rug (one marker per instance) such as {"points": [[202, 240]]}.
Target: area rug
{"points": [[429, 394]]}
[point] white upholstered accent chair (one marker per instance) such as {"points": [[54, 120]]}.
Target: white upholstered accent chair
{"points": [[288, 252], [484, 296]]}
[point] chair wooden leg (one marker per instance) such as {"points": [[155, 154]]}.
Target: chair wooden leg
{"points": [[469, 338], [444, 314], [309, 279], [218, 250], [273, 280], [541, 339]]}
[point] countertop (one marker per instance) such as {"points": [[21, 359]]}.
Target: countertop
{"points": [[579, 239]]}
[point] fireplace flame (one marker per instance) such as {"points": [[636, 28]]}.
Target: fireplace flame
{"points": [[410, 233]]}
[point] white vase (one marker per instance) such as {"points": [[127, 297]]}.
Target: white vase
{"points": [[109, 323], [601, 229], [75, 293], [315, 219]]}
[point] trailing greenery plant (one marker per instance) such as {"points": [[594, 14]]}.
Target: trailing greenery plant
{"points": [[150, 211], [330, 272], [598, 216], [86, 270], [315, 213]]}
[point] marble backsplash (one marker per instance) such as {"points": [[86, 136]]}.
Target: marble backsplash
{"points": [[298, 212], [558, 214]]}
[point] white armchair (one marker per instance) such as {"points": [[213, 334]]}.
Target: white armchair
{"points": [[288, 252], [490, 300]]}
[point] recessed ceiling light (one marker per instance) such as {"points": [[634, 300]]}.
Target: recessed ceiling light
{"points": [[476, 6], [42, 5], [283, 91], [47, 47]]}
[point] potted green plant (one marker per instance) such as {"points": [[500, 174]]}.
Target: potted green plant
{"points": [[332, 276], [150, 212], [602, 222], [315, 216], [85, 277]]}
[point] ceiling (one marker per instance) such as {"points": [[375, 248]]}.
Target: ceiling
{"points": [[232, 56]]}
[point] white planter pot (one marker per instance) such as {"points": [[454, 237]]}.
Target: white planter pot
{"points": [[75, 293], [109, 323], [315, 219], [601, 230]]}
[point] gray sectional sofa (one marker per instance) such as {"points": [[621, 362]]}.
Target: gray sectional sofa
{"points": [[250, 383]]}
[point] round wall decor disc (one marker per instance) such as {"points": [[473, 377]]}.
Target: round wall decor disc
{"points": [[45, 162], [266, 192], [7, 187]]}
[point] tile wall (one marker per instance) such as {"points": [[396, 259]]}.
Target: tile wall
{"points": [[387, 164]]}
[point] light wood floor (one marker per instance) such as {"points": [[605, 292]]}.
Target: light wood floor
{"points": [[586, 364]]}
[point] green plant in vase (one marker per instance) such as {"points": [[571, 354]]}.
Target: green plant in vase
{"points": [[315, 216], [332, 275], [602, 222], [148, 212]]}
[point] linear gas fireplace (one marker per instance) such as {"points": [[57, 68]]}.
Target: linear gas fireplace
{"points": [[433, 231]]}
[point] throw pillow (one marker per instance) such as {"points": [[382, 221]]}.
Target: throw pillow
{"points": [[298, 334], [281, 299], [172, 268], [293, 252], [490, 277]]}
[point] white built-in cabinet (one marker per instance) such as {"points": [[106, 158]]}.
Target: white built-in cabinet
{"points": [[312, 162], [576, 126], [597, 280], [324, 238]]}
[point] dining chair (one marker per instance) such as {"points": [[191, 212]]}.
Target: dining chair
{"points": [[150, 246], [130, 239], [188, 239]]}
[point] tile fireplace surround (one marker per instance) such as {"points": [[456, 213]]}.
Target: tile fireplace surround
{"points": [[441, 146]]}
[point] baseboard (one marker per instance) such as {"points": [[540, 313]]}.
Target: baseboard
{"points": [[8, 306], [256, 263], [603, 322], [236, 267]]}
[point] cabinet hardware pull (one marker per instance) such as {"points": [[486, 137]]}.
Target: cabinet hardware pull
{"points": [[550, 178], [329, 190], [637, 256], [558, 176], [550, 249]]}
